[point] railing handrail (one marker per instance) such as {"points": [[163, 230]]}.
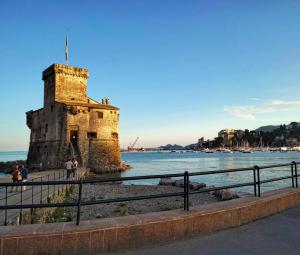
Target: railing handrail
{"points": [[141, 177]]}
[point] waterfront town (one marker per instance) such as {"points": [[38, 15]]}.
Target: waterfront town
{"points": [[267, 138], [80, 80]]}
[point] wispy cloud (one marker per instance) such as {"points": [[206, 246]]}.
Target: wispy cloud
{"points": [[254, 99], [251, 111]]}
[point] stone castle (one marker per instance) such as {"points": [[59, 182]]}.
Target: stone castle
{"points": [[73, 125]]}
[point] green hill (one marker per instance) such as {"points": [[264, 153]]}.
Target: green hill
{"points": [[269, 128]]}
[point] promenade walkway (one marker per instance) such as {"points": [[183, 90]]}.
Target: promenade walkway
{"points": [[35, 195], [275, 235]]}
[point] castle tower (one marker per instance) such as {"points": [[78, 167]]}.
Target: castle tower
{"points": [[65, 84], [73, 125]]}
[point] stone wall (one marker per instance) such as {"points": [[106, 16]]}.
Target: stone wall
{"points": [[65, 83], [104, 156], [48, 138]]}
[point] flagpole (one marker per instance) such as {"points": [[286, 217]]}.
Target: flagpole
{"points": [[67, 50]]}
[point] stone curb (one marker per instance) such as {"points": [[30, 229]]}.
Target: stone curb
{"points": [[92, 237]]}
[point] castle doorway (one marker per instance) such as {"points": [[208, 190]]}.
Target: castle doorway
{"points": [[74, 137]]}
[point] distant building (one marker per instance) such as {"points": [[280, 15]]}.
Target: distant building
{"points": [[73, 125], [239, 133], [227, 135], [200, 142], [292, 142]]}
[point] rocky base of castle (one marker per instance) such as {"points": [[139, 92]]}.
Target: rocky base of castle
{"points": [[7, 167], [110, 169]]}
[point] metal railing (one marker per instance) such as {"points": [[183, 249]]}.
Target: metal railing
{"points": [[32, 193], [255, 171]]}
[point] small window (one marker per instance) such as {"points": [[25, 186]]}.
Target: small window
{"points": [[100, 115], [91, 135], [46, 128], [115, 135], [52, 108]]}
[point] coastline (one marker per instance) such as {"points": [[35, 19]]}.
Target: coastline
{"points": [[7, 166]]}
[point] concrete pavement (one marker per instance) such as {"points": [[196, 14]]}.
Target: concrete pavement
{"points": [[39, 194], [276, 235]]}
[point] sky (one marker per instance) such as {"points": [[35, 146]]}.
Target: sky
{"points": [[178, 70]]}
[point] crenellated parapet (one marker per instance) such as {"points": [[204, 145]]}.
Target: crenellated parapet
{"points": [[66, 71]]}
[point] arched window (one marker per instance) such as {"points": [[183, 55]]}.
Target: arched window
{"points": [[115, 135]]}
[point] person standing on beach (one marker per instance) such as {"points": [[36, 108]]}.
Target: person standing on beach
{"points": [[69, 167], [24, 174], [74, 169]]}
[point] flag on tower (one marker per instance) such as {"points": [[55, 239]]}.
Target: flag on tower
{"points": [[66, 53]]}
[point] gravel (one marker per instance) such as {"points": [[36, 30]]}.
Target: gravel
{"points": [[106, 191]]}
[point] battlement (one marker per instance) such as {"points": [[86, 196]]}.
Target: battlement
{"points": [[65, 83], [65, 70]]}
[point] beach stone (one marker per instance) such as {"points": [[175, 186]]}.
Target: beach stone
{"points": [[179, 183], [196, 185], [167, 181], [225, 194]]}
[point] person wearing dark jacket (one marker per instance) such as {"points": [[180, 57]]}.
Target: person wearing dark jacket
{"points": [[24, 175]]}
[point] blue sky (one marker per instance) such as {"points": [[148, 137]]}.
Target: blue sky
{"points": [[178, 70]]}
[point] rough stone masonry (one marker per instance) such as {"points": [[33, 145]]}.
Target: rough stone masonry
{"points": [[73, 125]]}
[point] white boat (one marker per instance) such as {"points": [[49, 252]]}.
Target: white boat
{"points": [[208, 150], [246, 151], [227, 151]]}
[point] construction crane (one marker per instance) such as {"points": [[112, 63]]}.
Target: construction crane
{"points": [[131, 146]]}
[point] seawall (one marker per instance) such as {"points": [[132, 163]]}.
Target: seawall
{"points": [[92, 237]]}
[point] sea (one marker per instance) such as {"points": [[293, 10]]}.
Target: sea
{"points": [[166, 162]]}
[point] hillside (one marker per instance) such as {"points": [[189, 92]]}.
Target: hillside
{"points": [[269, 128]]}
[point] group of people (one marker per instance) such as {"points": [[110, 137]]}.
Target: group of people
{"points": [[71, 167], [19, 174]]}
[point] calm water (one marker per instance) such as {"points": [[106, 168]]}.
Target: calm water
{"points": [[146, 163], [12, 155]]}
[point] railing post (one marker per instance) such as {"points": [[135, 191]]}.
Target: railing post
{"points": [[62, 186], [79, 202], [184, 191], [258, 180], [5, 217], [31, 209], [254, 180], [59, 180], [54, 184], [41, 196], [296, 173], [292, 175], [21, 203], [48, 187], [187, 191]]}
